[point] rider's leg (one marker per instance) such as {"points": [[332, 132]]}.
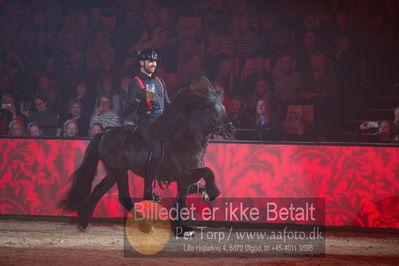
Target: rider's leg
{"points": [[154, 155]]}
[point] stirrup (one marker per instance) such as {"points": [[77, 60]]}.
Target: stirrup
{"points": [[156, 196], [153, 197]]}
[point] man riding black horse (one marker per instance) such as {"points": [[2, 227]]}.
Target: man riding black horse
{"points": [[147, 97]]}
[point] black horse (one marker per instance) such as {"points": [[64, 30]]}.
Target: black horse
{"points": [[184, 129]]}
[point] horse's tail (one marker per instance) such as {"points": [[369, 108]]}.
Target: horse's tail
{"points": [[82, 178]]}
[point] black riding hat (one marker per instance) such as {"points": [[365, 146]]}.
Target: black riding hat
{"points": [[147, 54]]}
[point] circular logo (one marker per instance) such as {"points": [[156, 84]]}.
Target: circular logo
{"points": [[148, 227]]}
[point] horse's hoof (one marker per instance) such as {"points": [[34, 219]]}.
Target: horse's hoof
{"points": [[81, 228], [205, 197], [184, 231], [189, 234], [213, 192]]}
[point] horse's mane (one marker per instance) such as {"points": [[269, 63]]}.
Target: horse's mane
{"points": [[174, 120]]}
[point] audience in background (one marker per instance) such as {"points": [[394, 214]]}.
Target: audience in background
{"points": [[330, 54]]}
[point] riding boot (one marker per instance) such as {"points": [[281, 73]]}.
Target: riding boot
{"points": [[151, 169]]}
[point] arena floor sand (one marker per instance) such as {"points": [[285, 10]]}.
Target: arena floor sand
{"points": [[58, 243]]}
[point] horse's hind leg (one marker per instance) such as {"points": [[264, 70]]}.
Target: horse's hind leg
{"points": [[98, 192]]}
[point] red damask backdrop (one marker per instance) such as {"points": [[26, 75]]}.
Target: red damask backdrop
{"points": [[360, 184]]}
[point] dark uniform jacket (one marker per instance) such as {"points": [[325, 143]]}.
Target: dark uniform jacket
{"points": [[143, 106]]}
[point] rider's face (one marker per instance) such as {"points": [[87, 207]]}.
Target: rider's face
{"points": [[149, 66]]}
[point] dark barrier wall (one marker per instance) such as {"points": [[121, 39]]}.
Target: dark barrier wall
{"points": [[360, 184]]}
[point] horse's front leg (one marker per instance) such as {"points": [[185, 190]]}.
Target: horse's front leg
{"points": [[179, 227], [121, 178], [211, 189]]}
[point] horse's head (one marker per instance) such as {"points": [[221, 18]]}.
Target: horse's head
{"points": [[208, 111]]}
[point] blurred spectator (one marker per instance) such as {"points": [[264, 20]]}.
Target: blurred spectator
{"points": [[260, 91], [341, 27], [151, 29], [66, 45], [287, 81], [74, 31], [101, 44], [238, 115], [40, 51], [46, 118], [265, 123], [9, 112], [106, 67], [305, 49], [44, 86], [16, 129], [346, 67], [166, 47], [73, 70], [319, 81], [369, 127], [104, 114], [247, 38], [166, 20], [53, 14], [385, 132], [214, 53], [106, 88], [128, 34], [273, 37], [34, 129], [18, 22], [95, 128], [376, 47], [95, 22], [185, 52], [75, 113], [296, 127], [70, 129], [226, 98], [5, 84], [254, 68], [124, 86], [84, 96], [193, 73], [171, 80], [319, 89], [227, 79]]}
